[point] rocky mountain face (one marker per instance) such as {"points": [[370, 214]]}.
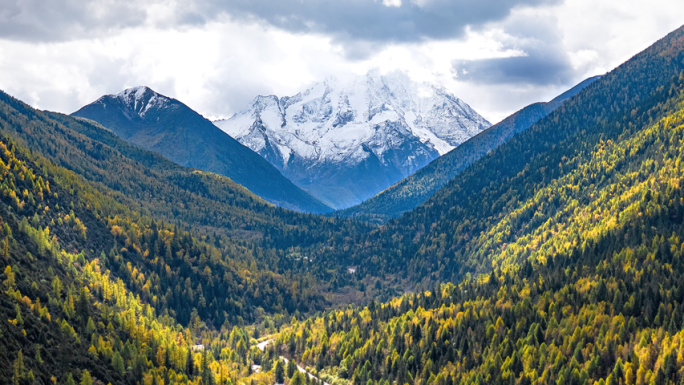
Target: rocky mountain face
{"points": [[344, 140], [164, 125]]}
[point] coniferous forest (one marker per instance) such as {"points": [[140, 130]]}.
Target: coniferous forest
{"points": [[558, 257]]}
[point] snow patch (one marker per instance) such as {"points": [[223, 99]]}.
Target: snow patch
{"points": [[141, 99]]}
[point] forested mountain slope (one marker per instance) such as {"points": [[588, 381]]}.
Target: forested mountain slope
{"points": [[95, 290], [249, 247], [147, 182], [64, 314], [170, 128], [415, 189], [564, 248], [606, 312], [580, 241], [540, 191]]}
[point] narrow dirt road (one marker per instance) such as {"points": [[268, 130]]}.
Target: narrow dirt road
{"points": [[262, 346]]}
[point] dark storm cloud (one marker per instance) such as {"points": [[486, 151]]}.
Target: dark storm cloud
{"points": [[543, 62], [345, 20], [59, 20], [537, 68], [373, 21]]}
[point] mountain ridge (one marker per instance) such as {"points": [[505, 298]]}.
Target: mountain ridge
{"points": [[167, 126]]}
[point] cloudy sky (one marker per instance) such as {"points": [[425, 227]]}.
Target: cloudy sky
{"points": [[215, 56]]}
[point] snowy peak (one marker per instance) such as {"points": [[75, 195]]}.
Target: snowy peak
{"points": [[389, 120], [138, 100], [332, 118]]}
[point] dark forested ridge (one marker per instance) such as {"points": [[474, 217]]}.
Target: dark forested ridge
{"points": [[415, 189], [523, 199], [172, 129], [557, 257], [147, 182]]}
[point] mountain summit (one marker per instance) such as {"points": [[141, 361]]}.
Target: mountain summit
{"points": [[346, 139], [164, 125]]}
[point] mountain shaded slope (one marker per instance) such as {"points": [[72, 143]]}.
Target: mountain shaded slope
{"points": [[151, 184], [417, 188], [168, 127], [526, 198], [344, 140]]}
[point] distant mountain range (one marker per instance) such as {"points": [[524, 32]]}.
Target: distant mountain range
{"points": [[170, 128], [345, 140], [418, 187]]}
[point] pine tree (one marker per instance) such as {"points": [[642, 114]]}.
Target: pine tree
{"points": [[20, 321], [190, 364], [298, 379], [291, 368], [279, 373], [118, 363], [82, 305], [38, 358], [57, 288], [19, 369], [20, 363], [90, 326], [207, 376]]}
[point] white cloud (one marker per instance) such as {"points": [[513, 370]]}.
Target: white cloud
{"points": [[218, 66], [391, 3]]}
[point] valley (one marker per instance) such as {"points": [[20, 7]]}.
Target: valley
{"points": [[142, 244]]}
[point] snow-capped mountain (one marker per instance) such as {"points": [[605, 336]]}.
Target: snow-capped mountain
{"points": [[344, 140], [165, 125]]}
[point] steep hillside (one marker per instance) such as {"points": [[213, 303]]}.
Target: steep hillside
{"points": [[605, 312], [527, 197], [344, 140], [85, 300], [571, 253], [170, 128], [149, 183], [417, 188]]}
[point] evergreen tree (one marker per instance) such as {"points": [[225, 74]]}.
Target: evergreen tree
{"points": [[118, 363], [190, 364], [291, 368], [207, 375], [298, 379], [279, 373]]}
